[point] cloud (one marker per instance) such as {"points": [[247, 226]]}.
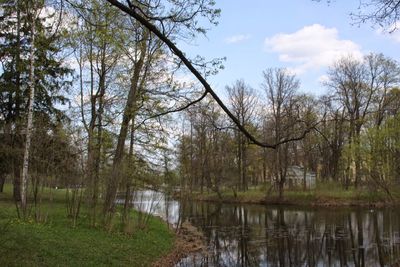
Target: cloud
{"points": [[237, 38], [323, 78], [311, 47], [392, 32]]}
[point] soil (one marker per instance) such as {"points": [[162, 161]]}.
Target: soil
{"points": [[188, 240]]}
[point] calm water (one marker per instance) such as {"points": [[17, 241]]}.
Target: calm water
{"points": [[256, 235]]}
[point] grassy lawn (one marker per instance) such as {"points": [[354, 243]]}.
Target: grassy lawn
{"points": [[57, 243]]}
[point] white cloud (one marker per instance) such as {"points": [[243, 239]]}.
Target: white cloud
{"points": [[237, 38], [393, 32], [311, 47], [323, 78]]}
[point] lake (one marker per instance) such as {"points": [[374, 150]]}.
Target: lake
{"points": [[257, 235]]}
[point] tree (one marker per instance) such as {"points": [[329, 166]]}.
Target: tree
{"points": [[308, 113], [384, 76], [33, 15], [30, 60], [361, 87], [98, 41], [244, 103], [207, 150], [349, 78], [331, 134], [128, 114], [385, 13], [380, 153], [280, 88], [181, 22]]}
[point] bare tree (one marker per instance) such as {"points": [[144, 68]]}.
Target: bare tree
{"points": [[308, 113], [244, 104], [280, 88], [385, 13], [332, 137], [362, 87], [383, 77], [349, 79]]}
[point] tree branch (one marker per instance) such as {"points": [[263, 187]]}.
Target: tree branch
{"points": [[173, 110], [152, 28]]}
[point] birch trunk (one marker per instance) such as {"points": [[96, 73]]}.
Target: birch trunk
{"points": [[25, 166]]}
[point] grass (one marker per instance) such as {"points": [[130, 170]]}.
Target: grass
{"points": [[57, 243], [325, 194]]}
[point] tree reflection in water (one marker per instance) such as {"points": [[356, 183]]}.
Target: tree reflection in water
{"points": [[252, 235], [255, 235]]}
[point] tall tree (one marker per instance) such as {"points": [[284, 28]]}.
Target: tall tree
{"points": [[361, 87], [33, 13], [30, 59], [280, 88], [244, 103], [98, 43]]}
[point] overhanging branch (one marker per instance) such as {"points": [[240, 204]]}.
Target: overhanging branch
{"points": [[152, 28], [186, 106]]}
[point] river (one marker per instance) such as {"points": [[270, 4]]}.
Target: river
{"points": [[257, 235]]}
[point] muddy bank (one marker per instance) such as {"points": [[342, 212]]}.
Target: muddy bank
{"points": [[188, 240]]}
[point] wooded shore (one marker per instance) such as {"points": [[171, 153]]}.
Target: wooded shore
{"points": [[324, 196]]}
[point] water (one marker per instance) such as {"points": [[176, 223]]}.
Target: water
{"points": [[257, 235]]}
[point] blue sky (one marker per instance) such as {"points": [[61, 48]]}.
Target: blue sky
{"points": [[302, 35]]}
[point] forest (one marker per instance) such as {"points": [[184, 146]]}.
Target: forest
{"points": [[96, 104]]}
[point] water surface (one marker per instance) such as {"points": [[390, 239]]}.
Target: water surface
{"points": [[257, 235]]}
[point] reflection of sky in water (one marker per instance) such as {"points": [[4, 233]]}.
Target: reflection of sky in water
{"points": [[156, 203], [255, 235]]}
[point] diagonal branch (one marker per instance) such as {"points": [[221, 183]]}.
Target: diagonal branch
{"points": [[152, 28]]}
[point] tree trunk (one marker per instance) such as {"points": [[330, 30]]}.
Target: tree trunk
{"points": [[2, 181], [114, 179], [128, 183], [281, 185], [357, 178], [93, 158], [16, 143], [24, 182], [17, 182]]}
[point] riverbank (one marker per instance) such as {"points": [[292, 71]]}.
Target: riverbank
{"points": [[323, 196], [55, 242], [189, 240]]}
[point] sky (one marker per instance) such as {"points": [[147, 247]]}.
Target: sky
{"points": [[304, 36]]}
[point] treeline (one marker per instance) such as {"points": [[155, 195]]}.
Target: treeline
{"points": [[349, 135], [85, 98]]}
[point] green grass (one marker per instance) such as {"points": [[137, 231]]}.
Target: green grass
{"points": [[324, 194], [57, 243]]}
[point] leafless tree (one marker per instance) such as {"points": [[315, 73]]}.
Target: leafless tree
{"points": [[244, 103], [385, 13], [280, 88]]}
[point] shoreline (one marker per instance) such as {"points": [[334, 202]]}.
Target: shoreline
{"points": [[311, 201], [188, 240]]}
